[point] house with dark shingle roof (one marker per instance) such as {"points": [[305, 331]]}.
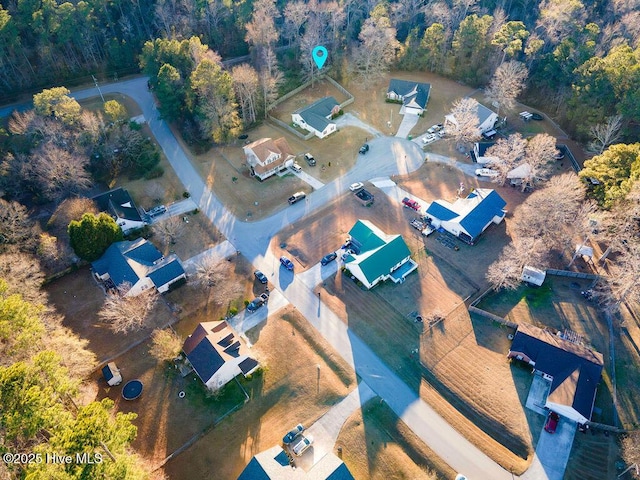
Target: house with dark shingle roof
{"points": [[574, 371], [119, 204], [413, 95], [467, 218], [217, 355], [376, 256], [267, 157], [274, 464], [316, 118], [140, 264]]}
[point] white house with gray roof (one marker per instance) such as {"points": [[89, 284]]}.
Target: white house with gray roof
{"points": [[140, 264], [119, 204], [413, 95], [487, 119], [316, 118]]}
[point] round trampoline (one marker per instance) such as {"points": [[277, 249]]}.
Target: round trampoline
{"points": [[132, 390]]}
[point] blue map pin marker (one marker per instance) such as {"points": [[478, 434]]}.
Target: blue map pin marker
{"points": [[320, 55]]}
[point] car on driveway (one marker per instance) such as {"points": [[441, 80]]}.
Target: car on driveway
{"points": [[327, 259], [354, 187], [364, 149], [302, 446], [537, 116], [292, 434], [486, 172], [286, 263], [257, 302], [551, 424], [296, 168], [430, 138], [310, 160], [409, 203], [435, 128], [261, 277]]}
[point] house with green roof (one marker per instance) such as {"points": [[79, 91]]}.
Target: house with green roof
{"points": [[375, 256], [317, 117]]}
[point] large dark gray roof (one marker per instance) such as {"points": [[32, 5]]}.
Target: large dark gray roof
{"points": [[411, 92], [129, 261], [118, 202], [562, 359], [316, 114]]}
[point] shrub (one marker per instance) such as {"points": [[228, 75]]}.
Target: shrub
{"points": [[155, 172], [186, 194], [233, 311]]}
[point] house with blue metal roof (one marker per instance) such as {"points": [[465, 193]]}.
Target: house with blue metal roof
{"points": [[413, 95], [274, 464], [467, 218], [217, 355], [374, 256], [140, 264], [317, 117]]}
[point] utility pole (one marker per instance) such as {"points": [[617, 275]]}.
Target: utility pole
{"points": [[98, 87]]}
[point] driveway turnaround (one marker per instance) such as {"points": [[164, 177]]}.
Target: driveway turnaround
{"points": [[552, 452], [388, 156]]}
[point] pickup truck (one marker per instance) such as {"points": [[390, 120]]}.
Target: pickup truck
{"points": [[365, 197], [296, 197], [310, 160], [257, 302]]}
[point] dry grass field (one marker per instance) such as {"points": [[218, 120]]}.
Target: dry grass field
{"points": [[198, 234], [377, 445], [627, 351], [78, 298]]}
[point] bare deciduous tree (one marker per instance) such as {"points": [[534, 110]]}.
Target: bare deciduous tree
{"points": [[376, 51], [507, 153], [68, 210], [24, 276], [57, 173], [170, 229], [208, 273], [125, 313], [605, 134], [245, 82], [295, 16], [155, 191], [15, 224], [261, 30], [540, 154], [507, 83], [631, 450], [270, 78], [507, 270], [465, 128], [166, 345]]}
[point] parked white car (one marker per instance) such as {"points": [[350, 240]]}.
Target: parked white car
{"points": [[430, 138], [302, 446], [296, 168], [354, 187], [487, 172]]}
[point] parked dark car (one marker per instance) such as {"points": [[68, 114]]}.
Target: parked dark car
{"points": [[292, 434], [257, 302], [261, 277], [327, 259], [364, 148], [537, 116], [552, 422], [286, 263]]}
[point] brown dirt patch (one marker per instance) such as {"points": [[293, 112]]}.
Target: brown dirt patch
{"points": [[78, 298], [376, 444], [280, 398]]}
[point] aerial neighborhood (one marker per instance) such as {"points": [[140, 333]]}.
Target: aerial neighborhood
{"points": [[319, 240]]}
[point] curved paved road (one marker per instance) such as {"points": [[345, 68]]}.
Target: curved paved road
{"points": [[388, 156]]}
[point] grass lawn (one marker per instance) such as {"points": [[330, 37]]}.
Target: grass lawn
{"points": [[376, 444], [198, 235], [626, 344], [288, 392]]}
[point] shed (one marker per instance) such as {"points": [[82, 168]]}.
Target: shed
{"points": [[111, 374], [533, 275]]}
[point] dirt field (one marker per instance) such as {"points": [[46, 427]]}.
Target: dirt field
{"points": [[593, 457], [377, 445], [280, 398], [79, 298], [627, 373]]}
